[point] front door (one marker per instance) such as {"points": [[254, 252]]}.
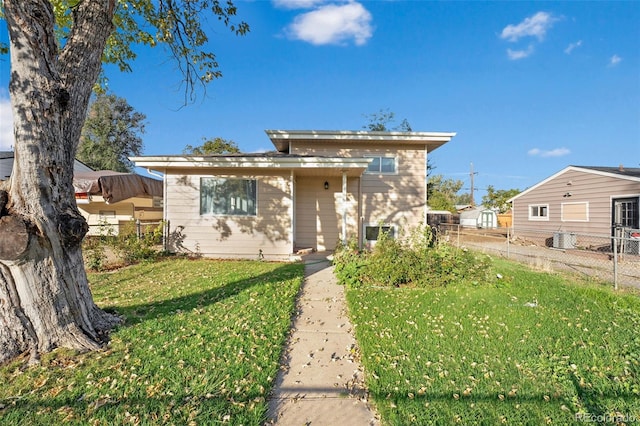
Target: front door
{"points": [[317, 218]]}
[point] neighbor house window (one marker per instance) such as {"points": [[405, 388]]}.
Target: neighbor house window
{"points": [[372, 232], [539, 212], [107, 213], [575, 212], [382, 165], [228, 196]]}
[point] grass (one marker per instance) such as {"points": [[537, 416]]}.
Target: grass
{"points": [[201, 345], [531, 348]]}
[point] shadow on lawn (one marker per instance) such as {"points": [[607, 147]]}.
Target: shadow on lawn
{"points": [[594, 405], [179, 408], [138, 313]]}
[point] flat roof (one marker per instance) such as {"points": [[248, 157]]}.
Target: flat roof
{"points": [[282, 139]]}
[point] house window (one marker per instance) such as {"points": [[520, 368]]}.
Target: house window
{"points": [[575, 212], [539, 212], [228, 196], [382, 165], [372, 232]]}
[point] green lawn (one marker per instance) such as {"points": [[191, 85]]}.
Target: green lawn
{"points": [[201, 345], [531, 348]]}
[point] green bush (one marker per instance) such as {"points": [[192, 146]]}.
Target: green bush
{"points": [[350, 264], [418, 260], [126, 245], [93, 250], [132, 249]]}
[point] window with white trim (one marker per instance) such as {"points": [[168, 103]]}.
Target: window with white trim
{"points": [[228, 196], [575, 212], [382, 165], [539, 212], [372, 232]]}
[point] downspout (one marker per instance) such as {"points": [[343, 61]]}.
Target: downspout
{"points": [[426, 184], [165, 231], [164, 193], [360, 218], [292, 212], [344, 207]]}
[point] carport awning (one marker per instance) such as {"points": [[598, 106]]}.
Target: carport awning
{"points": [[303, 165], [115, 186]]}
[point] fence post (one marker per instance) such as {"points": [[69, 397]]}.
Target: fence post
{"points": [[508, 242], [615, 263], [138, 229]]}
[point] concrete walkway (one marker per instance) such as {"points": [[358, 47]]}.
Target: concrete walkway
{"points": [[320, 381]]}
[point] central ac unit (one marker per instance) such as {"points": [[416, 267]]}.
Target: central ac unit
{"points": [[564, 240]]}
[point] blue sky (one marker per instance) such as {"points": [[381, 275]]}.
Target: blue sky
{"points": [[529, 87]]}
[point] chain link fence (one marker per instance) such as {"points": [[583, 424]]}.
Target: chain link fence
{"points": [[615, 259]]}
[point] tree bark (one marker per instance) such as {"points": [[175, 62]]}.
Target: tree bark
{"points": [[45, 300]]}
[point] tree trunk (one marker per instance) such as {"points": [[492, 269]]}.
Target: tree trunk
{"points": [[45, 300]]}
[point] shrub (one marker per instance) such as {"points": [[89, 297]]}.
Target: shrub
{"points": [[93, 250], [349, 264], [126, 245], [418, 260], [133, 249]]}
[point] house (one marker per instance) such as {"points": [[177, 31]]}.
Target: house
{"points": [[478, 217], [107, 198], [580, 200], [112, 201], [317, 189]]}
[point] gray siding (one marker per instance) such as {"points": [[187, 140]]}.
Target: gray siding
{"points": [[594, 189]]}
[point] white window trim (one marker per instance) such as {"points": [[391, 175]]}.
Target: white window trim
{"points": [[378, 225], [538, 218], [562, 219], [227, 215], [395, 165]]}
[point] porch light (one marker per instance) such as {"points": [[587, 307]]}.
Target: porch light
{"points": [[326, 184]]}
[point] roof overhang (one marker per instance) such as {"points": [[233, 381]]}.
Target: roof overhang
{"points": [[282, 139], [352, 165], [589, 170]]}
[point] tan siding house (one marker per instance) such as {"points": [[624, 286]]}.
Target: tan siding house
{"points": [[318, 189], [581, 200]]}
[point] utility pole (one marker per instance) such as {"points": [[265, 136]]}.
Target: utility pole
{"points": [[473, 202]]}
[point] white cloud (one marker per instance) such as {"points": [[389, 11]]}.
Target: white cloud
{"points": [[6, 125], [572, 46], [533, 26], [514, 55], [333, 24], [296, 4], [557, 152], [614, 60]]}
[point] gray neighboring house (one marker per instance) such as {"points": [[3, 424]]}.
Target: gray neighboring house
{"points": [[581, 200]]}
